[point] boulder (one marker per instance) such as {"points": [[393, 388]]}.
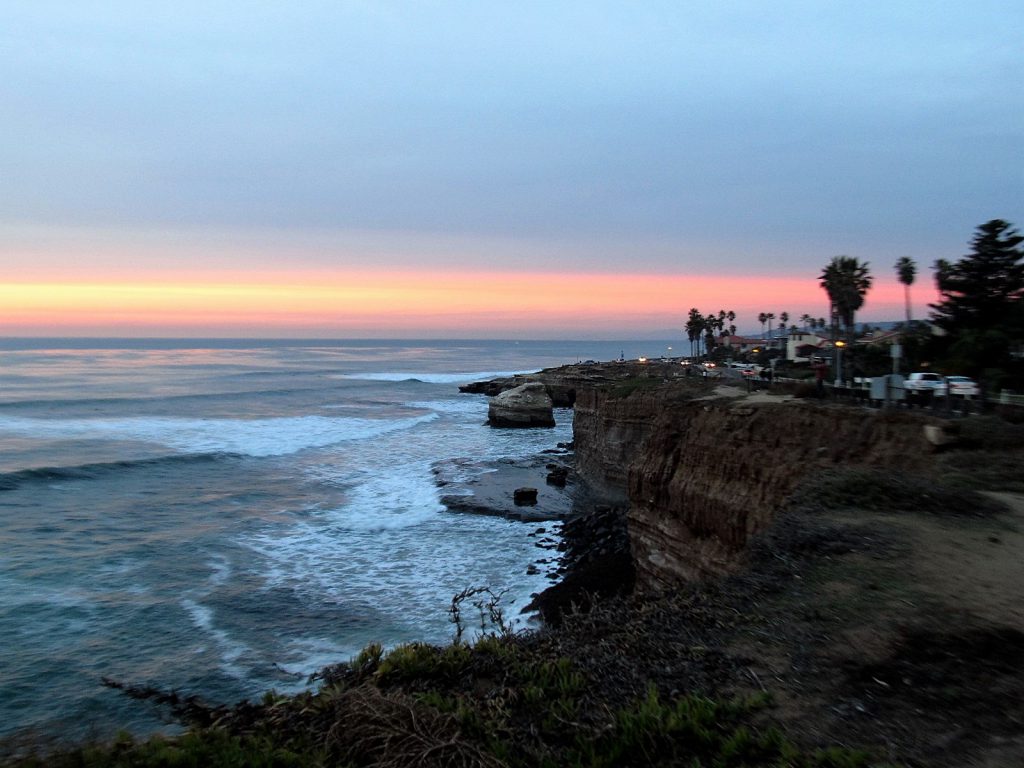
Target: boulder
{"points": [[527, 405], [524, 496], [557, 476]]}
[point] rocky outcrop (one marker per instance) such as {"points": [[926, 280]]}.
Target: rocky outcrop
{"points": [[564, 382], [561, 392], [527, 405], [702, 475]]}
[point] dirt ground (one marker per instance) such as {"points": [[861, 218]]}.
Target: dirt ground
{"points": [[904, 634]]}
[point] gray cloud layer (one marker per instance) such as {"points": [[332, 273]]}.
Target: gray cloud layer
{"points": [[790, 125]]}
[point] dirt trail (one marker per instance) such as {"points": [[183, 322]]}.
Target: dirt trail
{"points": [[908, 634], [978, 569]]}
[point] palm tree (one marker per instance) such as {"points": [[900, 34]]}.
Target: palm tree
{"points": [[769, 317], [905, 270], [762, 318], [694, 329], [845, 280], [806, 319]]}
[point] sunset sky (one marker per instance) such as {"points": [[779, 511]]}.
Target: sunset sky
{"points": [[484, 169]]}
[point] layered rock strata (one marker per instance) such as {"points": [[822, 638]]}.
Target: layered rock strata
{"points": [[704, 474]]}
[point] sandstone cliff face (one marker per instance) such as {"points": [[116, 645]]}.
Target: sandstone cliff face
{"points": [[703, 475], [610, 434]]}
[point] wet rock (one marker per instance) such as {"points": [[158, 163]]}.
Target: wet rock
{"points": [[524, 496], [557, 477]]}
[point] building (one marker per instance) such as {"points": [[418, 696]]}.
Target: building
{"points": [[804, 346], [740, 345]]}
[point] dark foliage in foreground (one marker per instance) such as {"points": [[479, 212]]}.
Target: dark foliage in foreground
{"points": [[496, 702], [503, 700]]}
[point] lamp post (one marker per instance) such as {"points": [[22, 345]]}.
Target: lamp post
{"points": [[839, 361]]}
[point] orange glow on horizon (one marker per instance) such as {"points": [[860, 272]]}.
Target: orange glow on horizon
{"points": [[406, 301]]}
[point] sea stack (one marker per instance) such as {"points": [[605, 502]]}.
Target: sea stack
{"points": [[527, 405]]}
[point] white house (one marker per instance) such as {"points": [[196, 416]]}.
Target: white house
{"points": [[802, 345]]}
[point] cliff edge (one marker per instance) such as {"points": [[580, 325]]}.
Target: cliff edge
{"points": [[705, 468]]}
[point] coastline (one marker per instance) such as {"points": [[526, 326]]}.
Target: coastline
{"points": [[875, 615]]}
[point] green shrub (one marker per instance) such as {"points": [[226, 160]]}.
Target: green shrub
{"points": [[421, 661], [369, 657]]}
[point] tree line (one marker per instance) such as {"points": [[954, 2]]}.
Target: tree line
{"points": [[976, 327]]}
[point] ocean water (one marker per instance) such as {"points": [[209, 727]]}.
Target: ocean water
{"points": [[223, 518]]}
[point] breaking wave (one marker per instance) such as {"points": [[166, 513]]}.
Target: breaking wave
{"points": [[247, 437]]}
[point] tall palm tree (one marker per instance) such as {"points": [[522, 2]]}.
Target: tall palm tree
{"points": [[694, 329], [906, 269], [845, 280], [762, 318], [769, 317], [806, 320]]}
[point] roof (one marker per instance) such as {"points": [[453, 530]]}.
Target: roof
{"points": [[880, 337]]}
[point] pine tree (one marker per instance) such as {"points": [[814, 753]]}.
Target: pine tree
{"points": [[985, 289]]}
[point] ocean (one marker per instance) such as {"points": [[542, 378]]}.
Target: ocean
{"points": [[223, 518]]}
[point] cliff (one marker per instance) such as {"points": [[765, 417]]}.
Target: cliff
{"points": [[704, 472]]}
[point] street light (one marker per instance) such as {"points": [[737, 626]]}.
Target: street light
{"points": [[839, 362]]}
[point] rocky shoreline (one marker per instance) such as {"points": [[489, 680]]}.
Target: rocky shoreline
{"points": [[584, 545]]}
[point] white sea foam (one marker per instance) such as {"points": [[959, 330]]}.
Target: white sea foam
{"points": [[400, 498], [230, 650], [315, 653], [252, 437], [427, 378], [398, 554], [221, 570]]}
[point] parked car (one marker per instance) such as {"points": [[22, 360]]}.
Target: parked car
{"points": [[925, 384], [961, 386]]}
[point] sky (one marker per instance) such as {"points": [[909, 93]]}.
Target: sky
{"points": [[490, 169]]}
